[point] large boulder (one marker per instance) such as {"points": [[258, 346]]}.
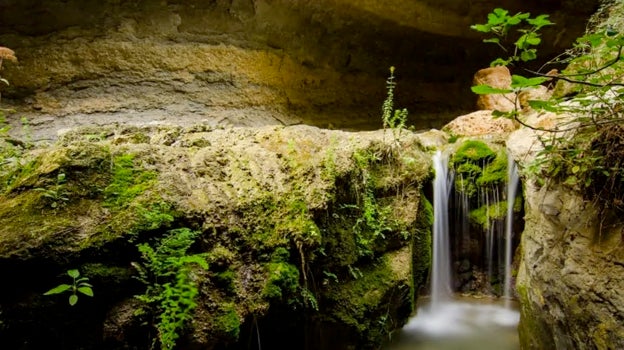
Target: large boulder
{"points": [[306, 232]]}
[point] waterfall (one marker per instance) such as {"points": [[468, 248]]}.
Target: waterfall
{"points": [[441, 265], [512, 185]]}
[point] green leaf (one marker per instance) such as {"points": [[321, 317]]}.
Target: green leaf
{"points": [[571, 181], [492, 40], [575, 169], [501, 62], [73, 299], [542, 105], [86, 291], [58, 289], [73, 273], [484, 28], [593, 39], [518, 81], [528, 55], [540, 21], [499, 12], [497, 114], [486, 90], [533, 39]]}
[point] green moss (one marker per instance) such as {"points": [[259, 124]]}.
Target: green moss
{"points": [[282, 280], [466, 176], [225, 280], [297, 222], [421, 255], [484, 215], [127, 182], [494, 173], [106, 273], [227, 323], [27, 220], [368, 304], [533, 331], [477, 167], [474, 152]]}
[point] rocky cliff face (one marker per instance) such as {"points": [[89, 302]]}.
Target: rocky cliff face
{"points": [[572, 262], [249, 62]]}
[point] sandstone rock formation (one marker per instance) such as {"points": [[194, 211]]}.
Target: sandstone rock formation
{"points": [[250, 62], [572, 263]]}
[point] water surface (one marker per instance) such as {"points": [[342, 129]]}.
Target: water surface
{"points": [[462, 324]]}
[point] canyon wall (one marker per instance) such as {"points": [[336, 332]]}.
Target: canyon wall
{"points": [[572, 260]]}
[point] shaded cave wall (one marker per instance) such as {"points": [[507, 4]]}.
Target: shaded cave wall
{"points": [[251, 62]]}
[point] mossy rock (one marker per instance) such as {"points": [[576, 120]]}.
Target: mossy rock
{"points": [[478, 168], [473, 151], [275, 207]]}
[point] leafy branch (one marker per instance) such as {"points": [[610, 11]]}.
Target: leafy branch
{"points": [[585, 153], [500, 23]]}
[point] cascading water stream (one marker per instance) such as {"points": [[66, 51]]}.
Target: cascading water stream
{"points": [[455, 323], [513, 179], [441, 264]]}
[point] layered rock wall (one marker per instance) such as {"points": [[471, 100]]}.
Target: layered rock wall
{"points": [[569, 279], [249, 63]]}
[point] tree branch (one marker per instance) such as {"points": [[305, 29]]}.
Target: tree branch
{"points": [[565, 77]]}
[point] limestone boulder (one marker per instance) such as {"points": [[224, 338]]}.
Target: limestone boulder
{"points": [[277, 213], [498, 77], [480, 123]]}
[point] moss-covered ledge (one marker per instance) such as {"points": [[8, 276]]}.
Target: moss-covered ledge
{"points": [[294, 223]]}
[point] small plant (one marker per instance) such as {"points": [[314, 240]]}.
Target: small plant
{"points": [[58, 194], [167, 271], [391, 118], [79, 285]]}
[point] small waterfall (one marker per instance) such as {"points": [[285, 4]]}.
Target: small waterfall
{"points": [[513, 179], [441, 265]]}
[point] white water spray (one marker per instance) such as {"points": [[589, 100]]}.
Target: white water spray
{"points": [[441, 264], [512, 185]]}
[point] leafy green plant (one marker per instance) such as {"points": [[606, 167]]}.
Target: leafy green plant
{"points": [[167, 271], [500, 23], [78, 285], [373, 219], [58, 194]]}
